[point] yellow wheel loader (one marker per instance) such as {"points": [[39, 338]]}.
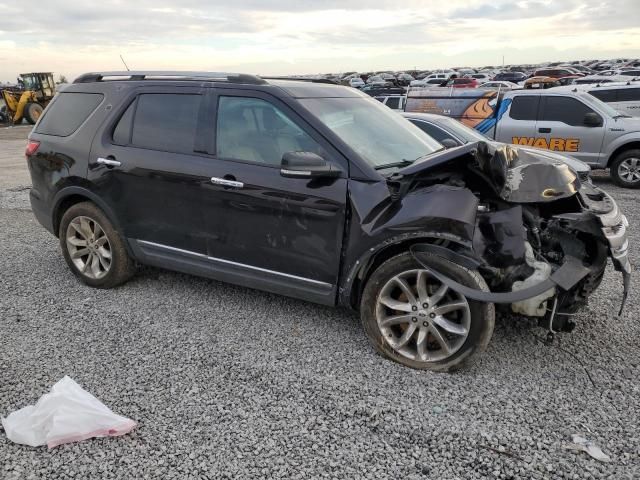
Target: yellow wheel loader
{"points": [[28, 100]]}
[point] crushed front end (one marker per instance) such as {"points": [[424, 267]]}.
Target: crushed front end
{"points": [[542, 237]]}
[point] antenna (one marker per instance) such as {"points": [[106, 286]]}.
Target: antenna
{"points": [[125, 63]]}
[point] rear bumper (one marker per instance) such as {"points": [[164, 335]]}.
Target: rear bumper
{"points": [[41, 211]]}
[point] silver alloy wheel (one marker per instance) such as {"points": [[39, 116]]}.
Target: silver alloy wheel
{"points": [[421, 318], [629, 169], [89, 247]]}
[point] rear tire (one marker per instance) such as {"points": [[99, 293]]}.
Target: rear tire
{"points": [[93, 249], [429, 327], [625, 169], [32, 112]]}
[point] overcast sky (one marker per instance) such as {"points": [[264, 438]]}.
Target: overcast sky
{"points": [[308, 36]]}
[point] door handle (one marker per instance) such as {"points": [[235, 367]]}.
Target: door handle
{"points": [[226, 183], [544, 130], [108, 162]]}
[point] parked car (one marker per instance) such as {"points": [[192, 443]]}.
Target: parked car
{"points": [[562, 119], [591, 79], [356, 82], [394, 102], [382, 90], [377, 80], [515, 77], [462, 83], [556, 72], [429, 82], [541, 82], [499, 85], [480, 77], [624, 96], [451, 133], [404, 79], [318, 192]]}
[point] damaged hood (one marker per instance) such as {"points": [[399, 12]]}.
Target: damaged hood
{"points": [[518, 175], [526, 175]]}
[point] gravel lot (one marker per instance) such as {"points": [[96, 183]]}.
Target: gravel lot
{"points": [[227, 382]]}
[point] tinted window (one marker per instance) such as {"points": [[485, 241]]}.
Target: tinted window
{"points": [[434, 132], [564, 109], [393, 102], [122, 132], [629, 95], [166, 121], [524, 107], [254, 130], [68, 112], [604, 95]]}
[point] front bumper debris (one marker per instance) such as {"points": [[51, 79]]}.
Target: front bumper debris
{"points": [[614, 228]]}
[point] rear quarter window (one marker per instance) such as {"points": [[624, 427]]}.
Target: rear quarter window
{"points": [[67, 112]]}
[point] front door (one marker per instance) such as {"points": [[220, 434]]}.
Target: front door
{"points": [[281, 234], [560, 127]]}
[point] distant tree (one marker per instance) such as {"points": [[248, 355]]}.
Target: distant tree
{"points": [[62, 79]]}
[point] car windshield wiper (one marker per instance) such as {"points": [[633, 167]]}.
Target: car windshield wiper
{"points": [[401, 163], [622, 115]]}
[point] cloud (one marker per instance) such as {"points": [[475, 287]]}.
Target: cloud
{"points": [[307, 36]]}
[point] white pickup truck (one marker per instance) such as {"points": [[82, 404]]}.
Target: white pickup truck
{"points": [[568, 121]]}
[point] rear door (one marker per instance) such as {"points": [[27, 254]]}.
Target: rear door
{"points": [[518, 124], [561, 127], [145, 167]]}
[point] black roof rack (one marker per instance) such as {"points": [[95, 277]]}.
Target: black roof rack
{"points": [[311, 80], [169, 75]]}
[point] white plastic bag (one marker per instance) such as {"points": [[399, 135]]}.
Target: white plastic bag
{"points": [[66, 414]]}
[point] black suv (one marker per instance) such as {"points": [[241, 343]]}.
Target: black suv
{"points": [[322, 193]]}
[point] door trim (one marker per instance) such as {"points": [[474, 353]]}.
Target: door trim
{"points": [[194, 263]]}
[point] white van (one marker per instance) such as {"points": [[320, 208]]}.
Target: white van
{"points": [[623, 96]]}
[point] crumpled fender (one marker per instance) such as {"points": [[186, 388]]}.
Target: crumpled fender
{"points": [[570, 273]]}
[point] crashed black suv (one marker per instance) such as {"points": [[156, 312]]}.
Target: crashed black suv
{"points": [[318, 192]]}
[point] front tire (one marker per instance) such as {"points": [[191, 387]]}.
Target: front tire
{"points": [[625, 169], [413, 319], [93, 249], [32, 112]]}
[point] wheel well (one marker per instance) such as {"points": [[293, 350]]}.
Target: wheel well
{"points": [[619, 150], [378, 259], [63, 206]]}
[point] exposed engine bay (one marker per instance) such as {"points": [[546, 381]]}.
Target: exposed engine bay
{"points": [[539, 236]]}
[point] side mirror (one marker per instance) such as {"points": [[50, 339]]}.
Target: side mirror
{"points": [[307, 165], [449, 143], [592, 119]]}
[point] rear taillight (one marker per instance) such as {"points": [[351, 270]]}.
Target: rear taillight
{"points": [[32, 148]]}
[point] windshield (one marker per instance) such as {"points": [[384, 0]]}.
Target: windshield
{"points": [[378, 134], [469, 135]]}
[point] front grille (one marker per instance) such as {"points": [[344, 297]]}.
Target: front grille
{"points": [[584, 176]]}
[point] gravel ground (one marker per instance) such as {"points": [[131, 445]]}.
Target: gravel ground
{"points": [[228, 382]]}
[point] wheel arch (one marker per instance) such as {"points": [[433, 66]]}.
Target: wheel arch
{"points": [[352, 286], [69, 196], [634, 144]]}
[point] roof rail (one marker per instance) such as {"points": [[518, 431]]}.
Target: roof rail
{"points": [[169, 75], [311, 80]]}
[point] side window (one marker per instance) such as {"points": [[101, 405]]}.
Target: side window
{"points": [[67, 112], [122, 132], [434, 132], [393, 102], [254, 130], [524, 107], [564, 109], [604, 95], [165, 121], [628, 95]]}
